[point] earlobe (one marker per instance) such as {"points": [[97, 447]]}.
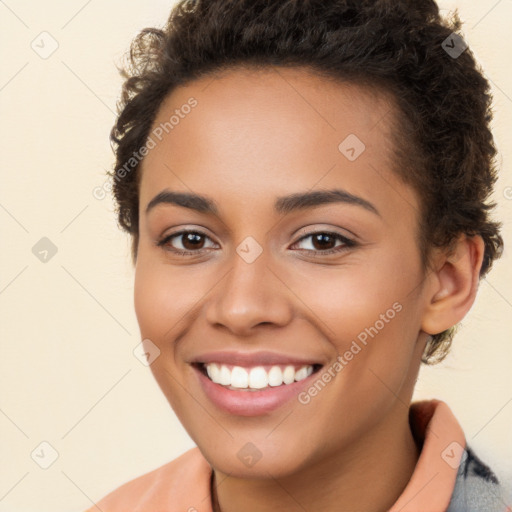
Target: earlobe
{"points": [[454, 285]]}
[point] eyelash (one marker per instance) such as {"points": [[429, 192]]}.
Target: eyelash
{"points": [[348, 243]]}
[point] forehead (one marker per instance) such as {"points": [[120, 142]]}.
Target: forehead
{"points": [[274, 131]]}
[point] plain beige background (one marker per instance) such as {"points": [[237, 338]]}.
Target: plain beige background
{"points": [[69, 378]]}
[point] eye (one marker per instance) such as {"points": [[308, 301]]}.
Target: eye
{"points": [[191, 242], [322, 243]]}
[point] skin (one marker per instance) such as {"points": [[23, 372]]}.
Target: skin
{"points": [[255, 136]]}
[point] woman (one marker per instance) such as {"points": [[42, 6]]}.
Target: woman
{"points": [[305, 184]]}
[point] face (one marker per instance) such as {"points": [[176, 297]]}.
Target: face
{"points": [[293, 281]]}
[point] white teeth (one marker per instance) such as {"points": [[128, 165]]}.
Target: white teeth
{"points": [[303, 373], [239, 377], [213, 372], [225, 376], [256, 377], [275, 376], [289, 375]]}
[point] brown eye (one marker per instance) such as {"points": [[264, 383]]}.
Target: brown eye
{"points": [[191, 241], [323, 242], [188, 242]]}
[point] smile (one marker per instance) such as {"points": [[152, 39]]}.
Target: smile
{"points": [[250, 401], [256, 377]]}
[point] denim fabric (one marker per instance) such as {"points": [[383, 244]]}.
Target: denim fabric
{"points": [[477, 488]]}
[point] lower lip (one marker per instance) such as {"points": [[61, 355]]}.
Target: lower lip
{"points": [[251, 403]]}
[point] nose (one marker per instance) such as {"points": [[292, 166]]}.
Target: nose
{"points": [[250, 295]]}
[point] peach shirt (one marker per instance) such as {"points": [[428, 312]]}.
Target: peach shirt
{"points": [[183, 485]]}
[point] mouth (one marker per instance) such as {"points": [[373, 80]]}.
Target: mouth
{"points": [[253, 390], [253, 383], [255, 378]]}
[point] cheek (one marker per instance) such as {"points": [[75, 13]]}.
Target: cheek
{"points": [[353, 297], [162, 297], [368, 314], [161, 302], [148, 301]]}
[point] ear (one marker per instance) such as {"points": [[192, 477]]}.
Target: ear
{"points": [[453, 285]]}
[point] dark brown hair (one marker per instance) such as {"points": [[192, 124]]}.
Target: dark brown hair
{"points": [[443, 146]]}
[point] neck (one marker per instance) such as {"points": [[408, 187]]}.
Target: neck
{"points": [[369, 476]]}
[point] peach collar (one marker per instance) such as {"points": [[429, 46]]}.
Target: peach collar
{"points": [[443, 443]]}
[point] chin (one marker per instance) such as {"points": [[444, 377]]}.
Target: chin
{"points": [[255, 460]]}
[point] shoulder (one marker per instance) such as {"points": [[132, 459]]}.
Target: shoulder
{"points": [[164, 487], [477, 487]]}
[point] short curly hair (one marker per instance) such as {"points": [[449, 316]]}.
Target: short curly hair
{"points": [[442, 143]]}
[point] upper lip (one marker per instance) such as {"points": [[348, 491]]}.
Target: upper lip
{"points": [[260, 358]]}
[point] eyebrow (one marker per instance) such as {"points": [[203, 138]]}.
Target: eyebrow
{"points": [[282, 205]]}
